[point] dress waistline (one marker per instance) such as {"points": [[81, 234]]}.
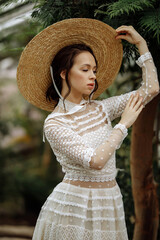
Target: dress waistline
{"points": [[89, 178]]}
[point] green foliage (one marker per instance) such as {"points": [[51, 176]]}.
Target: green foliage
{"points": [[126, 7], [49, 12], [144, 16], [150, 22], [11, 45], [22, 175], [24, 179]]}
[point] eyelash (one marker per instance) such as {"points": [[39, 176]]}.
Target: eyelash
{"points": [[85, 70]]}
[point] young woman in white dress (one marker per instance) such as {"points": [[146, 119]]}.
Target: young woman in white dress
{"points": [[87, 204]]}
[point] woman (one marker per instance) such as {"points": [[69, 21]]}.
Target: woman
{"points": [[87, 204]]}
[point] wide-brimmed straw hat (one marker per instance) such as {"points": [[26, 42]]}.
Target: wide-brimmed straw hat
{"points": [[33, 72]]}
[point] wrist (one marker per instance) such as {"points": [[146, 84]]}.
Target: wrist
{"points": [[142, 47], [123, 128], [125, 124], [140, 61], [141, 42]]}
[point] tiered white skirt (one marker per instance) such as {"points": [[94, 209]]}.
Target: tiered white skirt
{"points": [[77, 213]]}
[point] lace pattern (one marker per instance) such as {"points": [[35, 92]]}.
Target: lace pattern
{"points": [[76, 233], [83, 139], [77, 195], [92, 213], [87, 178], [73, 204], [148, 90], [84, 143]]}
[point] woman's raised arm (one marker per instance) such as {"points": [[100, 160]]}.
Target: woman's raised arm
{"points": [[149, 86]]}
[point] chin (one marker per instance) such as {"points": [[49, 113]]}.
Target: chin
{"points": [[85, 95], [88, 92]]}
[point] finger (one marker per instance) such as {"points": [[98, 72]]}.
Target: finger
{"points": [[122, 37], [140, 109], [124, 30], [130, 99], [135, 99], [138, 103], [121, 30], [123, 27]]}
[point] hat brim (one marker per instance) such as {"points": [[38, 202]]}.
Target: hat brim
{"points": [[33, 71]]}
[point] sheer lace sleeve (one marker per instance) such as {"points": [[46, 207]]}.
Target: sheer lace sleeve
{"points": [[115, 105], [148, 90], [66, 142], [107, 148]]}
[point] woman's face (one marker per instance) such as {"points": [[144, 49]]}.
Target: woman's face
{"points": [[82, 75]]}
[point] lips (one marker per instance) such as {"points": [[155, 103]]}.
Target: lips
{"points": [[91, 84]]}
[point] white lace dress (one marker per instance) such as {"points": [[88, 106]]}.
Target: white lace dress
{"points": [[92, 208]]}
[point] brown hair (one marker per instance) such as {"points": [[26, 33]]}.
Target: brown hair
{"points": [[64, 60]]}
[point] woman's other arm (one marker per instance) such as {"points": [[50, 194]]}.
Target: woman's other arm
{"points": [[119, 132], [66, 142]]}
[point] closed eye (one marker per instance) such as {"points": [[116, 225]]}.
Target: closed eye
{"points": [[85, 70]]}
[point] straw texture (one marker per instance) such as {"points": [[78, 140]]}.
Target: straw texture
{"points": [[33, 71]]}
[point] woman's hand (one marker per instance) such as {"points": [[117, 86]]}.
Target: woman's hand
{"points": [[132, 110], [131, 35]]}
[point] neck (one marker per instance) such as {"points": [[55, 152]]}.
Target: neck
{"points": [[73, 98]]}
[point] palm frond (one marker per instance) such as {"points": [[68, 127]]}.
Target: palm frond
{"points": [[150, 21], [126, 7]]}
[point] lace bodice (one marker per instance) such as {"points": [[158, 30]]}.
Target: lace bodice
{"points": [[83, 139]]}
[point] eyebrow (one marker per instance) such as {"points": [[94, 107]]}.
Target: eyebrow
{"points": [[88, 65]]}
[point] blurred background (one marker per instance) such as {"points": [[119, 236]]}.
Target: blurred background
{"points": [[28, 168]]}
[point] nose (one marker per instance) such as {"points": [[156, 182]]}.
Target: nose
{"points": [[92, 75]]}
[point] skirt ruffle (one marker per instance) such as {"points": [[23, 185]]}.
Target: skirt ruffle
{"points": [[76, 213]]}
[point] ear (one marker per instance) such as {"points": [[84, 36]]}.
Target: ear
{"points": [[63, 74]]}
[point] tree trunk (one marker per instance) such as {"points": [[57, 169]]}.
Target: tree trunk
{"points": [[143, 184]]}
